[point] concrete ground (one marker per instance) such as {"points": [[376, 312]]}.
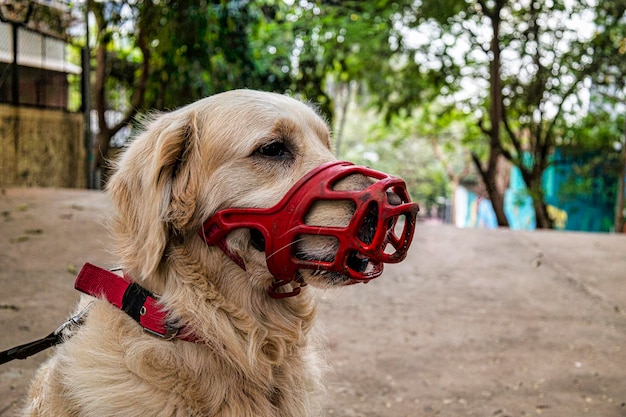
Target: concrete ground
{"points": [[474, 322]]}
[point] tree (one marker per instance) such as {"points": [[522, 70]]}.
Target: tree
{"points": [[341, 48], [161, 55], [210, 47], [517, 66], [114, 66]]}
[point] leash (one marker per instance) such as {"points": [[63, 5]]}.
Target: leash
{"points": [[62, 333]]}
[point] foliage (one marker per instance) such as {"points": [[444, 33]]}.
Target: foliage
{"points": [[396, 149], [497, 78], [340, 42], [202, 48], [518, 67]]}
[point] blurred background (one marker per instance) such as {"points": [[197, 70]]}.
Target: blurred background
{"points": [[498, 113]]}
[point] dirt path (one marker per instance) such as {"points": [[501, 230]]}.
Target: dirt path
{"points": [[475, 323]]}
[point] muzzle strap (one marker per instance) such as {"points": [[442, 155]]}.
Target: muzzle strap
{"points": [[214, 234]]}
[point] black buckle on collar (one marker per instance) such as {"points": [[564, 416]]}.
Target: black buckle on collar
{"points": [[134, 299], [133, 304]]}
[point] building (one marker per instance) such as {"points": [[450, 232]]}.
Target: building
{"points": [[34, 65], [41, 130]]}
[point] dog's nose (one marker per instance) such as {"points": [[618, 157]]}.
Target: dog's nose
{"points": [[393, 198], [257, 240]]}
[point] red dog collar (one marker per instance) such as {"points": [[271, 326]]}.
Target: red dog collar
{"points": [[134, 300], [282, 225]]}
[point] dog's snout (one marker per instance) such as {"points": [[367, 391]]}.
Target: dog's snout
{"points": [[353, 182], [393, 198]]}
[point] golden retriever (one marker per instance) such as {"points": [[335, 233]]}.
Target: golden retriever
{"points": [[251, 354]]}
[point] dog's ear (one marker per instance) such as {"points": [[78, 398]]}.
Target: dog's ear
{"points": [[154, 190]]}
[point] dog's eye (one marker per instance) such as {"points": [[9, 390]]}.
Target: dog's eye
{"points": [[274, 150]]}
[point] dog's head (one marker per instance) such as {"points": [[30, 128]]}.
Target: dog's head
{"points": [[252, 152]]}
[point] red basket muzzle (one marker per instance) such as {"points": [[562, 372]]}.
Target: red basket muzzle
{"points": [[379, 231]]}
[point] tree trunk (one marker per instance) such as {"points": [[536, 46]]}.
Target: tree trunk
{"points": [[102, 137], [495, 118], [102, 164], [495, 194], [489, 177], [533, 180], [106, 132], [542, 219]]}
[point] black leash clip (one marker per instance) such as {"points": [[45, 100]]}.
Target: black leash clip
{"points": [[62, 333]]}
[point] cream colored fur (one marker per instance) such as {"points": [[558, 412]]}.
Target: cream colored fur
{"points": [[257, 356]]}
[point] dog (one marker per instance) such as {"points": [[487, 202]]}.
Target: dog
{"points": [[244, 342]]}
